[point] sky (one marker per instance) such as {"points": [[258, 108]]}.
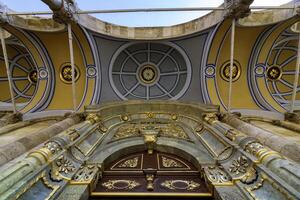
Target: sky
{"points": [[136, 19]]}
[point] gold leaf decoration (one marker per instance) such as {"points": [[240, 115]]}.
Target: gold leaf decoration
{"points": [[120, 184], [131, 163], [180, 185], [170, 163]]}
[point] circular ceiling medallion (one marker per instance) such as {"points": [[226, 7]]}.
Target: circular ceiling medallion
{"points": [[23, 72], [148, 74], [144, 70], [274, 73], [272, 82], [225, 71], [66, 73]]}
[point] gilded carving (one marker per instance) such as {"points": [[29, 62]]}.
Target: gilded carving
{"points": [[150, 115], [274, 73], [66, 73], [150, 179], [259, 151], [231, 134], [120, 184], [180, 185], [87, 173], [124, 118], [210, 118], [73, 134], [92, 118], [250, 176], [253, 147], [173, 130], [170, 163], [174, 117], [53, 146], [64, 165], [165, 130], [217, 176], [199, 128], [131, 163], [61, 168], [103, 128], [128, 130], [239, 166], [225, 71]]}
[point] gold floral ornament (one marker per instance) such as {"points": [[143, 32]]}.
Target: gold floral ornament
{"points": [[120, 184], [173, 130], [225, 71], [148, 74], [33, 77], [131, 163], [170, 163], [127, 130], [66, 73], [180, 185], [274, 73], [64, 165], [239, 166]]}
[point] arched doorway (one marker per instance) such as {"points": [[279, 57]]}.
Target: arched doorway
{"points": [[151, 176]]}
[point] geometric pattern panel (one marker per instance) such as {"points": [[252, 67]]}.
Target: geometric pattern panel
{"points": [[150, 70]]}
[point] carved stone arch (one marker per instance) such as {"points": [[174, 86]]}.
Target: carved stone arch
{"points": [[184, 149]]}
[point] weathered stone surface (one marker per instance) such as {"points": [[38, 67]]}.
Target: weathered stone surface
{"points": [[283, 145], [24, 144], [74, 192]]}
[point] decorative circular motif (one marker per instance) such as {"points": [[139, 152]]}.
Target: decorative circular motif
{"points": [[148, 74], [91, 71], [225, 71], [141, 70], [66, 73], [33, 76], [43, 73], [274, 73], [210, 71], [23, 72], [259, 70], [274, 69]]}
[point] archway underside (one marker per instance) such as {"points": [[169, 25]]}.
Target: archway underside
{"points": [[181, 145]]}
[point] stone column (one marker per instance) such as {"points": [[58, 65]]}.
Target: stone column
{"points": [[15, 178], [287, 170], [12, 179], [22, 145], [285, 146]]}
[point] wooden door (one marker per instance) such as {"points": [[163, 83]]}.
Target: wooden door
{"points": [[151, 176]]}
